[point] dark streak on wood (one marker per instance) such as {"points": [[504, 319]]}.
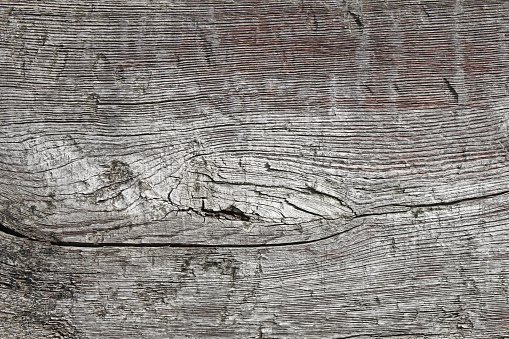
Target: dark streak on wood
{"points": [[452, 90], [357, 19]]}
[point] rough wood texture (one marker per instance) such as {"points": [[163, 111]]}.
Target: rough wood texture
{"points": [[246, 169]]}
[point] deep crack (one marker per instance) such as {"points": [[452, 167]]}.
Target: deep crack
{"points": [[234, 212]]}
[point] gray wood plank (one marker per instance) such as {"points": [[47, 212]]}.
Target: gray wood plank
{"points": [[273, 169], [436, 272]]}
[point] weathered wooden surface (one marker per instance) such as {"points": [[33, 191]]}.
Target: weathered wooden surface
{"points": [[316, 169]]}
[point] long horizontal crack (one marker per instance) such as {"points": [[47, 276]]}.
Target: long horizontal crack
{"points": [[191, 245], [167, 244], [450, 203], [9, 231]]}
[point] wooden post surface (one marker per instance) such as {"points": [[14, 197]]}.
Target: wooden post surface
{"points": [[254, 169]]}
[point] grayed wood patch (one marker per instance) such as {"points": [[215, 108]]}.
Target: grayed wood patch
{"points": [[274, 169]]}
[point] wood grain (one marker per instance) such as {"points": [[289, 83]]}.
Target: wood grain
{"points": [[273, 169]]}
